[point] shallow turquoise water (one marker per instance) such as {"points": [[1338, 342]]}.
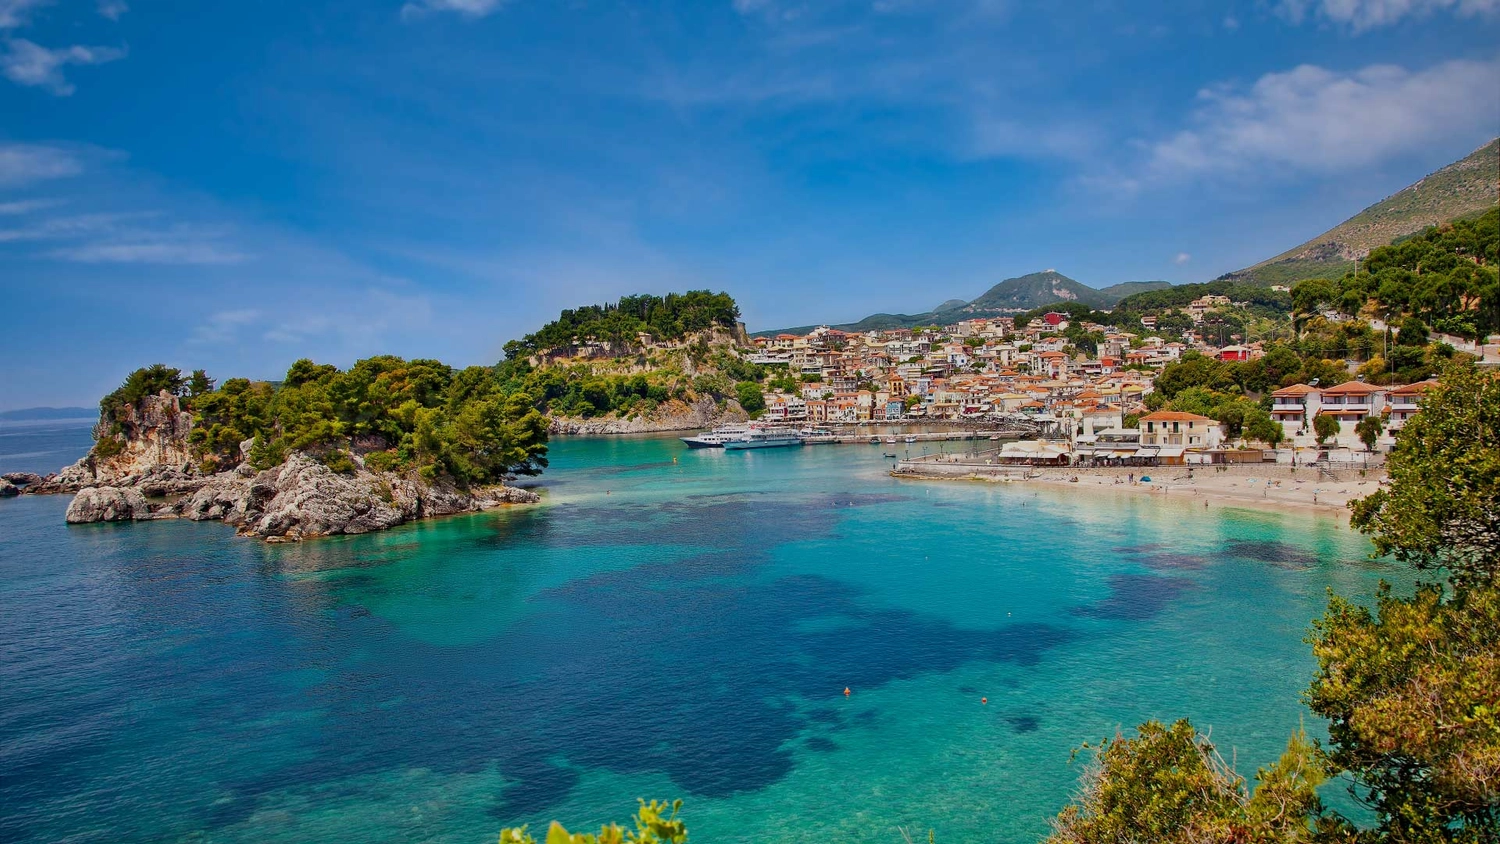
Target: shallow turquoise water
{"points": [[668, 623]]}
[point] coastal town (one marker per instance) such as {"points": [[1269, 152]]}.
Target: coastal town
{"points": [[1083, 409]]}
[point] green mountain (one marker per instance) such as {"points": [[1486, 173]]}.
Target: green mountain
{"points": [[1119, 291], [1011, 296], [1034, 290], [1463, 189]]}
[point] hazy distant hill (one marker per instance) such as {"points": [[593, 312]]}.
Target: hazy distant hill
{"points": [[33, 414], [1010, 296], [1464, 188]]}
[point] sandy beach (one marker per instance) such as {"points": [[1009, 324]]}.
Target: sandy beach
{"points": [[1261, 485]]}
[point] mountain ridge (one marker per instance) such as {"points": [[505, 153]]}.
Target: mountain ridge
{"points": [[1011, 296], [1464, 188]]}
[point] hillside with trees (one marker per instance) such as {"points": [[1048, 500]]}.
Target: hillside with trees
{"points": [[1446, 279], [670, 317]]}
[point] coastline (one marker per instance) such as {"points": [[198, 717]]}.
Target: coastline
{"points": [[1281, 488]]}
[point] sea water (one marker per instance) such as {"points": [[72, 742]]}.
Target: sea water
{"points": [[667, 623]]}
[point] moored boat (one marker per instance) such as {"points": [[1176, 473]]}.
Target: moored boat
{"points": [[764, 438], [717, 437]]}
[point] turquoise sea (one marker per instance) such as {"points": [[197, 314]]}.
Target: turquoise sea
{"points": [[668, 623]]}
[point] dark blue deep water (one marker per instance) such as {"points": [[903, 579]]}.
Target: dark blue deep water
{"points": [[667, 624]]}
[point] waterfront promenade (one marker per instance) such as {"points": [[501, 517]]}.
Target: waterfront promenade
{"points": [[1264, 485]]}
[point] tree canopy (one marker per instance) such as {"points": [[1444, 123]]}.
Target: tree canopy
{"points": [[1442, 508], [468, 426], [1448, 277], [669, 317], [1168, 785]]}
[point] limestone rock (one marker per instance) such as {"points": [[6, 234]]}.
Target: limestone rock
{"points": [[107, 504], [671, 416], [22, 478], [225, 496], [8, 489], [303, 498], [152, 452]]}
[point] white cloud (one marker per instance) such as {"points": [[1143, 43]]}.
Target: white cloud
{"points": [[25, 163], [224, 326], [27, 63], [113, 9], [1360, 15], [65, 228], [150, 252], [17, 13], [1311, 119], [26, 206], [1182, 258], [466, 8]]}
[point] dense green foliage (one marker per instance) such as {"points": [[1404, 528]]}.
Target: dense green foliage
{"points": [[655, 823], [1412, 695], [1412, 692], [1270, 302], [1448, 277], [1169, 785], [669, 317], [146, 381], [1442, 508], [1325, 427], [462, 425]]}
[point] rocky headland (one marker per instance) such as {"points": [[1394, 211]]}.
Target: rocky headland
{"points": [[674, 415], [143, 467]]}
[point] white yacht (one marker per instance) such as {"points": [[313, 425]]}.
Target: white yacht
{"points": [[764, 438], [717, 437]]}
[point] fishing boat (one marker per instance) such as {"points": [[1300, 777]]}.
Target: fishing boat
{"points": [[911, 438], [764, 438], [717, 437], [874, 440]]}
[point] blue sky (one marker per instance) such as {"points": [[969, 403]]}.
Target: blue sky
{"points": [[235, 186]]}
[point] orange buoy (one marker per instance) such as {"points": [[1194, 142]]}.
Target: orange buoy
{"points": [[846, 691], [984, 700]]}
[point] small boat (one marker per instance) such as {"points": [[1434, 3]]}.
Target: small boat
{"points": [[911, 438], [890, 454], [764, 438], [717, 437], [818, 435], [890, 440], [874, 440]]}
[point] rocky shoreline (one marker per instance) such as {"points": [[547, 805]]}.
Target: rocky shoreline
{"points": [[148, 472], [673, 416], [299, 499]]}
